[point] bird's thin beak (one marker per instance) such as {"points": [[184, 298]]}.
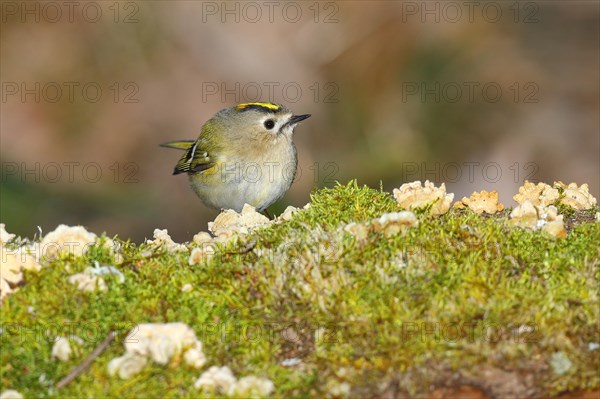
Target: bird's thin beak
{"points": [[298, 118]]}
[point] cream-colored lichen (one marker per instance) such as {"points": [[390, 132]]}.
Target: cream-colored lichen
{"points": [[127, 366], [252, 387], [162, 240], [12, 262], [11, 394], [551, 222], [415, 195], [336, 389], [72, 240], [388, 224], [555, 228], [202, 238], [288, 213], [88, 282], [394, 222], [62, 350], [538, 194], [482, 201], [541, 194], [194, 356], [577, 197], [220, 380], [5, 288], [358, 230], [216, 380], [200, 255], [161, 342], [229, 222], [524, 215], [4, 235], [544, 218]]}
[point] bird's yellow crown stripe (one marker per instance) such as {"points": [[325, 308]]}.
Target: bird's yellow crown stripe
{"points": [[270, 106]]}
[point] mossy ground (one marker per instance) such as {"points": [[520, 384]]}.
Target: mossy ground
{"points": [[460, 292]]}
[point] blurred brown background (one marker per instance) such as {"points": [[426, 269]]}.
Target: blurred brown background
{"points": [[480, 96]]}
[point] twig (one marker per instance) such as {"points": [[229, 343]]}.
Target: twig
{"points": [[88, 360]]}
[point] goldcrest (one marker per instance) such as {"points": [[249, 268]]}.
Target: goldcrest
{"points": [[243, 155]]}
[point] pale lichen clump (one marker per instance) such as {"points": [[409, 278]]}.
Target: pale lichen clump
{"points": [[66, 240], [204, 251], [200, 255], [162, 240], [229, 222], [576, 197], [4, 235], [388, 224], [216, 380], [88, 282], [11, 394], [127, 366], [187, 287], [542, 194], [202, 238], [12, 263], [536, 208], [160, 342], [415, 195], [480, 202], [253, 387], [337, 389], [62, 350], [220, 380], [360, 231], [288, 213], [394, 222], [228, 225], [544, 218]]}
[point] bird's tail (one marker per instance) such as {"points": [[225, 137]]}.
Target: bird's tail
{"points": [[179, 145]]}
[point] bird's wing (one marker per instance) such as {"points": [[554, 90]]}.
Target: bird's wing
{"points": [[195, 159]]}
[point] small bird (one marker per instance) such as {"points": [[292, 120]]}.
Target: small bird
{"points": [[244, 155]]}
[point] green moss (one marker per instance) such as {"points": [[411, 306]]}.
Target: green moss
{"points": [[455, 293]]}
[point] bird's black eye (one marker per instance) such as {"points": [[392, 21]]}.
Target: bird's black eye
{"points": [[269, 124]]}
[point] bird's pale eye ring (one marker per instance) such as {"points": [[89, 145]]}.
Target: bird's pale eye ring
{"points": [[269, 124]]}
